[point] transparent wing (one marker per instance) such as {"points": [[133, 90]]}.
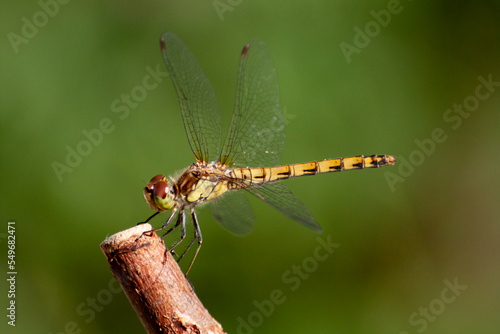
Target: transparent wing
{"points": [[234, 213], [256, 133], [199, 106], [280, 197]]}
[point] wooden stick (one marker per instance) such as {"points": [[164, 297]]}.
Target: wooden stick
{"points": [[154, 284]]}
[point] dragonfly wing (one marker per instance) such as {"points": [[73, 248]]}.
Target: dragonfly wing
{"points": [[256, 133], [199, 106], [280, 197], [234, 213]]}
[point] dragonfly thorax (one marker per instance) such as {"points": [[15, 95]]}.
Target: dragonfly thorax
{"points": [[202, 182], [159, 195]]}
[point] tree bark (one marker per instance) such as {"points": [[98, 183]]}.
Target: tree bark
{"points": [[156, 287]]}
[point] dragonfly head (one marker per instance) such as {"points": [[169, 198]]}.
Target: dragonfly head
{"points": [[159, 195]]}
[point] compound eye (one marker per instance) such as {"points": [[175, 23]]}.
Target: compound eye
{"points": [[160, 189], [158, 194], [157, 178]]}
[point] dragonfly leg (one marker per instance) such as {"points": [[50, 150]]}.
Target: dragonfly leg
{"points": [[195, 223], [169, 220], [190, 244], [197, 236], [158, 229], [151, 217], [181, 220]]}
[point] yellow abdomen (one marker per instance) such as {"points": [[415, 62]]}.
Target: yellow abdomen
{"points": [[255, 176]]}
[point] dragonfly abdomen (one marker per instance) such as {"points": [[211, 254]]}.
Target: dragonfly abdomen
{"points": [[255, 176]]}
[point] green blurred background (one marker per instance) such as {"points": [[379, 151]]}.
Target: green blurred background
{"points": [[405, 232]]}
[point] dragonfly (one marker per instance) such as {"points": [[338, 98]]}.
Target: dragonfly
{"points": [[248, 160]]}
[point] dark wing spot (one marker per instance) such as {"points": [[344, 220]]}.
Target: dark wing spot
{"points": [[245, 50], [162, 44]]}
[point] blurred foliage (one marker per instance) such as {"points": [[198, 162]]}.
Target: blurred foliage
{"points": [[401, 243]]}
